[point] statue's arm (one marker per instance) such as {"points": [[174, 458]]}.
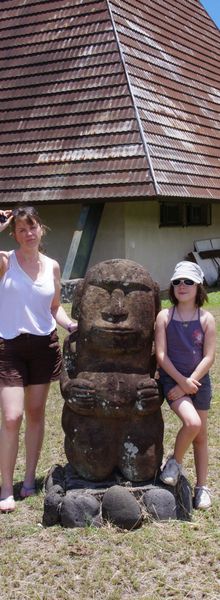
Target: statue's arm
{"points": [[78, 393], [68, 371], [149, 397]]}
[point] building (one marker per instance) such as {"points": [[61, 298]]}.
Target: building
{"points": [[110, 124]]}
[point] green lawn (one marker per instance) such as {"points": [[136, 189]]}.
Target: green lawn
{"points": [[171, 561]]}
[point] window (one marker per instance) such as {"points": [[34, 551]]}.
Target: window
{"points": [[198, 214], [173, 214]]}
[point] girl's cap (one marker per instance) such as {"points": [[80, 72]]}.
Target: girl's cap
{"points": [[188, 270]]}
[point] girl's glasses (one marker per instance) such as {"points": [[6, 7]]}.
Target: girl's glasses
{"points": [[176, 282]]}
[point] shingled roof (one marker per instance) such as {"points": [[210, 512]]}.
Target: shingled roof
{"points": [[108, 100]]}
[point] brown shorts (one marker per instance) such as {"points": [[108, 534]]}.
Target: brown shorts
{"points": [[30, 359]]}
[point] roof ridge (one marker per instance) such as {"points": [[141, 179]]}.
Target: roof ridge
{"points": [[145, 145]]}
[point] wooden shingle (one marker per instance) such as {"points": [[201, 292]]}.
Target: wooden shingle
{"points": [[108, 100]]}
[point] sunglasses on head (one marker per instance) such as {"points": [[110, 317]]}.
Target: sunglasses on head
{"points": [[176, 282]]}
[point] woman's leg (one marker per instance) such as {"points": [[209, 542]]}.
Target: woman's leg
{"points": [[191, 425], [12, 405], [35, 402], [200, 447]]}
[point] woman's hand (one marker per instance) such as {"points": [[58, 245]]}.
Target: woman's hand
{"points": [[5, 218]]}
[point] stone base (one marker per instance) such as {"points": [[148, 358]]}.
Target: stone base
{"points": [[75, 502]]}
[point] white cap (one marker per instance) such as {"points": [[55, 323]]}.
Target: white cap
{"points": [[188, 270]]}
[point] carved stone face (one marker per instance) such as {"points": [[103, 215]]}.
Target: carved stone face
{"points": [[117, 310]]}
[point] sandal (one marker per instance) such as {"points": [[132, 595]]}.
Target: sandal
{"points": [[27, 491], [7, 504]]}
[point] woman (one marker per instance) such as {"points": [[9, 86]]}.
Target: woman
{"points": [[185, 349], [30, 355]]}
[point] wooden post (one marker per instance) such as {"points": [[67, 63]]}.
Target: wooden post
{"points": [[82, 241]]}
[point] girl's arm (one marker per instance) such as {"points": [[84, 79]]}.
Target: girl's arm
{"points": [[189, 385], [208, 324], [57, 309], [209, 327]]}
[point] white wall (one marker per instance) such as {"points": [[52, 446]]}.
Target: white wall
{"points": [[110, 238], [127, 230], [160, 248], [61, 221]]}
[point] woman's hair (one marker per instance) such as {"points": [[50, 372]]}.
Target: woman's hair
{"points": [[201, 295], [30, 215]]}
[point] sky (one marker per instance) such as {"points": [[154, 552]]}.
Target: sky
{"points": [[213, 9]]}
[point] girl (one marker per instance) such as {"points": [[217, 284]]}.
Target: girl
{"points": [[30, 355], [185, 349]]}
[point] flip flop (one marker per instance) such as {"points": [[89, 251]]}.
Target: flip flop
{"points": [[7, 504], [27, 491]]}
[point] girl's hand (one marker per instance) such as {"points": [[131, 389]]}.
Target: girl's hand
{"points": [[175, 393], [191, 385], [5, 218]]}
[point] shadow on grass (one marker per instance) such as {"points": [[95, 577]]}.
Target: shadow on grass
{"points": [[39, 484]]}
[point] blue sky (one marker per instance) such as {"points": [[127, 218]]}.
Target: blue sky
{"points": [[213, 9]]}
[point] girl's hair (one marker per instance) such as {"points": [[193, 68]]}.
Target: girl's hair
{"points": [[201, 295]]}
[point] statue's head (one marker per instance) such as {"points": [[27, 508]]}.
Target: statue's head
{"points": [[116, 304]]}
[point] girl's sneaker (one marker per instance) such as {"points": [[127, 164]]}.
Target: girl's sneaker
{"points": [[202, 497], [171, 472]]}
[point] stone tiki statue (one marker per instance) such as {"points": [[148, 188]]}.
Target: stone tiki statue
{"points": [[112, 417]]}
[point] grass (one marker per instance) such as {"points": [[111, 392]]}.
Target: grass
{"points": [[171, 561]]}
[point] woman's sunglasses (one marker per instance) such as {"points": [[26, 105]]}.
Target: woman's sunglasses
{"points": [[176, 282]]}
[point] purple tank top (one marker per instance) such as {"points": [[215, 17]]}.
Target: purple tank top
{"points": [[185, 344]]}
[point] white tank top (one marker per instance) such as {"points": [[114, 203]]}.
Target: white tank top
{"points": [[25, 305]]}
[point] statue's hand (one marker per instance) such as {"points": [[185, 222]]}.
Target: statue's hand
{"points": [[80, 396], [148, 396]]}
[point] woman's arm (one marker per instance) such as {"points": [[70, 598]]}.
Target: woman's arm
{"points": [[189, 385], [3, 263], [57, 309], [7, 214]]}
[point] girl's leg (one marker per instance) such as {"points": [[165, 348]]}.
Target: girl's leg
{"points": [[35, 402], [12, 405], [191, 425], [200, 447]]}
